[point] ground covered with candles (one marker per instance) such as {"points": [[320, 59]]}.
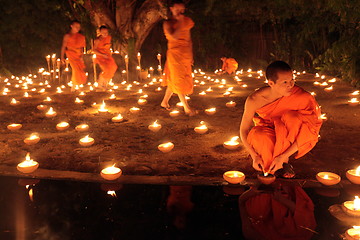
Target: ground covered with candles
{"points": [[130, 145]]}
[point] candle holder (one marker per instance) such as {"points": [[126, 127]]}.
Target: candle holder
{"points": [[86, 141], [353, 233], [166, 147], [266, 178], [354, 175], [328, 178], [14, 126], [234, 177], [352, 208], [62, 126], [155, 127], [230, 104], [111, 173], [210, 111], [82, 128], [27, 166]]}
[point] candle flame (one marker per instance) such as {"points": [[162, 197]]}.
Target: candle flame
{"points": [[111, 193], [356, 203], [326, 176], [357, 172], [265, 174], [233, 139]]}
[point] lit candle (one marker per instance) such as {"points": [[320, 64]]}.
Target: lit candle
{"points": [[232, 144], [79, 101], [51, 113], [328, 178], [13, 102], [226, 94], [174, 113], [329, 89], [203, 93], [352, 208], [47, 99], [14, 126], [210, 111], [155, 127], [142, 101], [41, 107], [266, 178], [231, 104], [86, 141], [27, 166], [179, 104], [353, 233], [26, 95], [82, 128], [353, 102], [117, 119], [323, 84], [166, 147], [354, 175], [62, 126], [323, 117], [33, 139], [355, 93], [111, 173], [103, 108], [234, 177], [112, 97], [134, 110], [201, 129]]}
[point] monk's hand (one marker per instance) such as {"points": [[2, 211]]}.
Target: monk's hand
{"points": [[258, 163], [278, 163]]}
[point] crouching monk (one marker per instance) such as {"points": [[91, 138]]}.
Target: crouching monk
{"points": [[286, 118], [230, 65]]}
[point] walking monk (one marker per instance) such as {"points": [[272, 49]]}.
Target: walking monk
{"points": [[179, 57], [73, 44], [107, 63], [229, 66], [287, 120]]}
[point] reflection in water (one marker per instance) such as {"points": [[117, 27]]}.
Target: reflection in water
{"points": [[179, 204], [282, 211]]}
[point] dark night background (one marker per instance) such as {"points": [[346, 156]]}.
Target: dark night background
{"points": [[311, 35]]}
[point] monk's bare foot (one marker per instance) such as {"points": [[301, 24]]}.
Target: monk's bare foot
{"points": [[165, 106], [191, 112]]}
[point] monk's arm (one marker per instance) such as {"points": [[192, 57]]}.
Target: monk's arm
{"points": [[63, 47], [245, 127], [173, 33]]}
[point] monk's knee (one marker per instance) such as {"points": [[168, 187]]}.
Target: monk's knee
{"points": [[262, 132]]}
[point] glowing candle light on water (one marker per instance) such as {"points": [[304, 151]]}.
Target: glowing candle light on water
{"points": [[111, 173], [354, 175], [231, 104], [234, 177], [232, 144], [201, 129], [86, 141], [62, 126], [118, 118], [155, 127], [82, 127], [210, 111], [14, 126], [166, 147], [33, 139], [328, 178], [27, 166], [51, 113]]}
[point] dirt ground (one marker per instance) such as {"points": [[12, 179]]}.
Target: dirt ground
{"points": [[134, 148]]}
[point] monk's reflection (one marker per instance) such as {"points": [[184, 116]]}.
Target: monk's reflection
{"points": [[179, 204], [282, 211]]}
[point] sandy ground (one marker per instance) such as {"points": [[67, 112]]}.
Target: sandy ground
{"points": [[134, 148]]}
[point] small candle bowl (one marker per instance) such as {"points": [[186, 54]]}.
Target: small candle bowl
{"points": [[62, 126], [352, 234], [51, 113], [234, 177], [111, 173], [201, 129], [79, 101], [266, 179], [232, 144], [142, 101], [14, 126], [166, 147], [33, 139], [155, 127], [352, 176], [82, 128], [86, 141], [174, 113], [353, 102], [26, 167], [210, 111], [230, 104], [41, 107], [134, 110], [349, 209], [14, 102], [117, 119], [328, 178]]}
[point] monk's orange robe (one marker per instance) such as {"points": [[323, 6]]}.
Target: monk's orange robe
{"points": [[272, 220], [107, 64], [179, 58], [230, 65], [280, 123], [74, 51]]}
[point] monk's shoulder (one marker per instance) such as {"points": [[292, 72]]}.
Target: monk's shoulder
{"points": [[299, 91], [257, 97], [189, 22]]}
